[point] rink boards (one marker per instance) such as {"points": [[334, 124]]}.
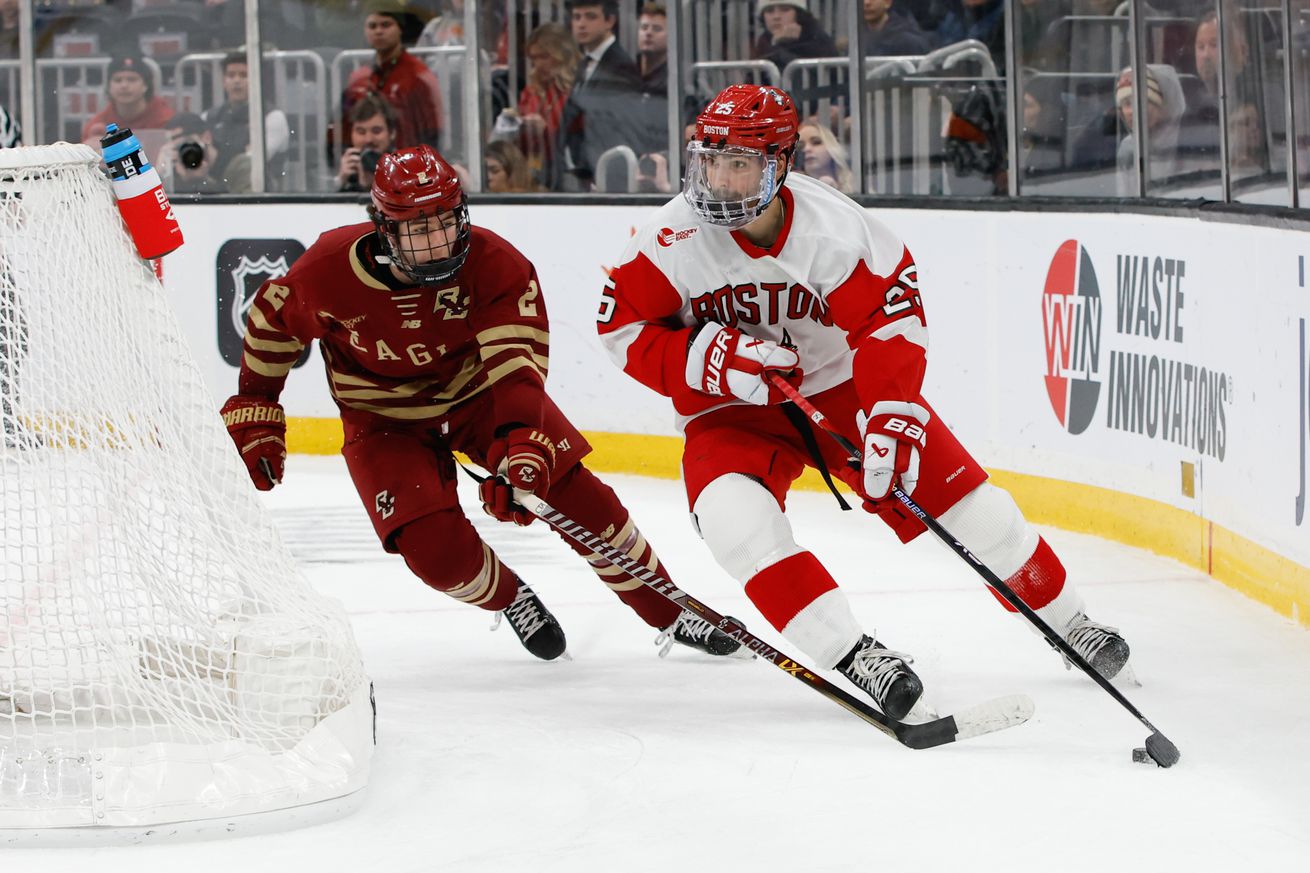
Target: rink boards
{"points": [[1143, 377]]}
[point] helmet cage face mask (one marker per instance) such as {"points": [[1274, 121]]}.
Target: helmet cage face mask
{"points": [[732, 186], [418, 258]]}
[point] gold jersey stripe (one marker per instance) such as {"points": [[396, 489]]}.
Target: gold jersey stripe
{"points": [[375, 391], [435, 410], [480, 588], [259, 320], [273, 371], [629, 585], [489, 352], [291, 347], [511, 332]]}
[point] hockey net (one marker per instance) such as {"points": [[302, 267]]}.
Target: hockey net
{"points": [[161, 658]]}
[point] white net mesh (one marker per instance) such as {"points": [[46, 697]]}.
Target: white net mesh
{"points": [[161, 659]]}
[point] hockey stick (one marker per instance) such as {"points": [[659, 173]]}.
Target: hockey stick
{"points": [[1158, 746], [994, 715]]}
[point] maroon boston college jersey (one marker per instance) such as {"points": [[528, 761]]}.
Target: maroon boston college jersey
{"points": [[398, 351]]}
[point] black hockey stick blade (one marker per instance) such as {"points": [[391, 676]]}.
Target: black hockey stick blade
{"points": [[1162, 750], [985, 718]]}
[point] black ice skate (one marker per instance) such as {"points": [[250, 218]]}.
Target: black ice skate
{"points": [[885, 675], [692, 631], [533, 624], [1102, 646]]}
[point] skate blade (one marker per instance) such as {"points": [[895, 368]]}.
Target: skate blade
{"points": [[1127, 677], [921, 712], [742, 654]]}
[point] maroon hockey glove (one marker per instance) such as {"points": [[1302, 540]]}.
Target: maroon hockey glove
{"points": [[524, 459], [259, 428], [894, 432], [725, 362]]}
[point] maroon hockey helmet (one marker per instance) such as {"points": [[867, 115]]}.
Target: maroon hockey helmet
{"points": [[753, 129], [417, 183]]}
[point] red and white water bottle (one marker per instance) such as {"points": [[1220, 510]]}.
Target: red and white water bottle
{"points": [[140, 192]]}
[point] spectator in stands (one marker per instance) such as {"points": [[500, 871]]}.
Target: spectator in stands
{"points": [[8, 29], [1164, 109], [652, 66], [505, 170], [1204, 89], [132, 100], [823, 157], [1199, 139], [1044, 126], [597, 115], [373, 131], [11, 135], [401, 79], [886, 34], [790, 32], [983, 20], [230, 123], [189, 164], [1248, 151], [653, 48], [553, 60]]}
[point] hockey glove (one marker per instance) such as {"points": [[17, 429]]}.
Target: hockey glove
{"points": [[524, 459], [894, 432], [723, 361], [259, 428]]}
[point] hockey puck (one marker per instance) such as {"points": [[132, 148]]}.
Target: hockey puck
{"points": [[1140, 756]]}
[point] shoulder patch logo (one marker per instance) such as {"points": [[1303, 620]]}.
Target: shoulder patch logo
{"points": [[668, 236]]}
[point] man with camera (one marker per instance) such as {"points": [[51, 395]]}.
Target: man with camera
{"points": [[230, 123], [372, 134], [188, 164]]}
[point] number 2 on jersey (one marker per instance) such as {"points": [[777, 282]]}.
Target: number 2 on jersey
{"points": [[528, 302]]}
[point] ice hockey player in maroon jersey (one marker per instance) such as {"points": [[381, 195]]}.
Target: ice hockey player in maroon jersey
{"points": [[435, 340], [758, 270]]}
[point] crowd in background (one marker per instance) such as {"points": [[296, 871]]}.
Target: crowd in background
{"points": [[576, 110]]}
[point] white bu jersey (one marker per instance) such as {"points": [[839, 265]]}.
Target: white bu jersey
{"points": [[834, 277]]}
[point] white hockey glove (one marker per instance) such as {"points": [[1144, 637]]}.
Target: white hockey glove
{"points": [[723, 361], [894, 432]]}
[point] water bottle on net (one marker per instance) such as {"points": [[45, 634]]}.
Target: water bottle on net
{"points": [[140, 192]]}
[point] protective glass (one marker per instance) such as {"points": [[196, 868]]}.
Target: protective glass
{"points": [[729, 187]]}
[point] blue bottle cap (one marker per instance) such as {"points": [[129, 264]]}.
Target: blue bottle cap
{"points": [[126, 143]]}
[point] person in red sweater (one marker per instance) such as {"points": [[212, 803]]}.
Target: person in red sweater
{"points": [[132, 101], [398, 77]]}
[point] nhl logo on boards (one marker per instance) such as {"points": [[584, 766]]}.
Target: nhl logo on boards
{"points": [[668, 236], [241, 268]]}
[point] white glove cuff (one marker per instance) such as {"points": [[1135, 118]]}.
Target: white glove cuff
{"points": [[896, 407]]}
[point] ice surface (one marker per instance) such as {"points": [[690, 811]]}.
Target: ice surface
{"points": [[489, 760]]}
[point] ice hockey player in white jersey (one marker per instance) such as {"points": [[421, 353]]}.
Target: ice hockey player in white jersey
{"points": [[757, 270]]}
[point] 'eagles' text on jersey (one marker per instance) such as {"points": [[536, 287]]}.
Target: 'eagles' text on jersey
{"points": [[836, 285], [405, 352]]}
